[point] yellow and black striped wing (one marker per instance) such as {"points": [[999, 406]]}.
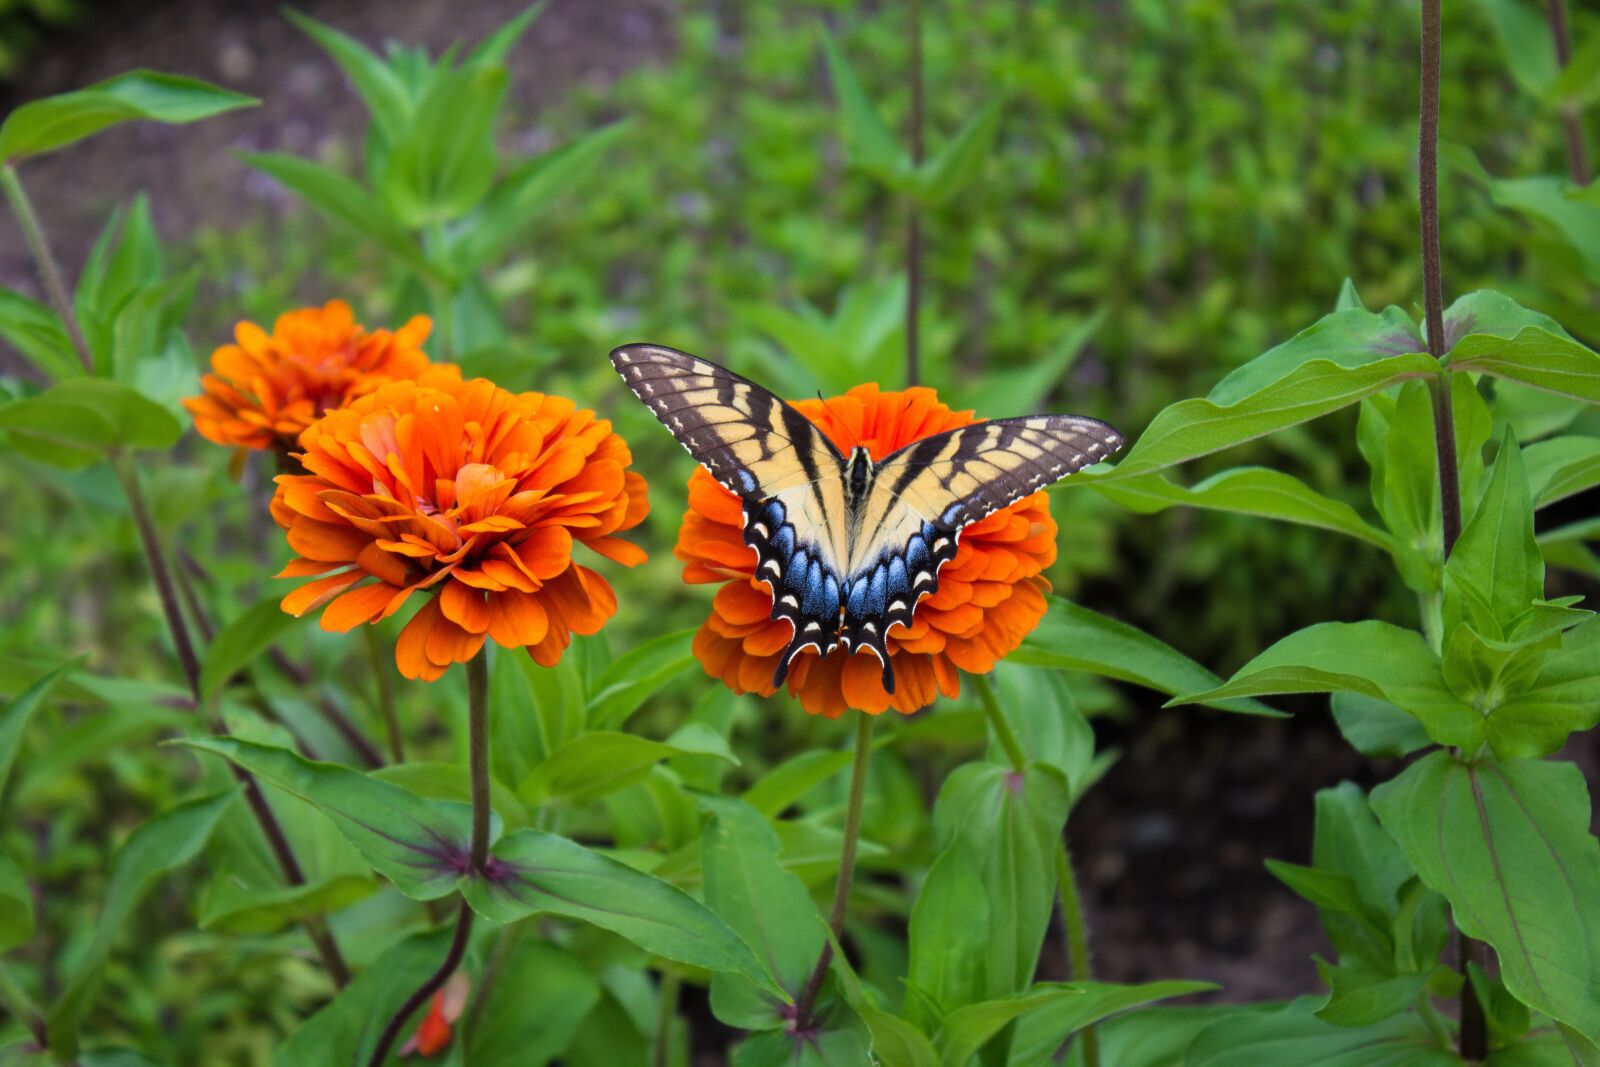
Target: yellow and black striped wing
{"points": [[786, 471], [923, 496]]}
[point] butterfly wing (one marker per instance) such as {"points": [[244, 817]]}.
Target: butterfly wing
{"points": [[923, 496], [789, 476]]}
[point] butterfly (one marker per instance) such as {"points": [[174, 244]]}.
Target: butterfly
{"points": [[848, 545]]}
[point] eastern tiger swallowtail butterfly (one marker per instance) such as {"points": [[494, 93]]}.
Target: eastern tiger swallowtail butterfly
{"points": [[849, 546]]}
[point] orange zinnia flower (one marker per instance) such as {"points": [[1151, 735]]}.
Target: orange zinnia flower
{"points": [[462, 488], [267, 388], [990, 595]]}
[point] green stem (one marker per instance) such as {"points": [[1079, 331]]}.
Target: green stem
{"points": [[913, 208], [379, 659], [666, 1011], [20, 1005], [807, 1001], [997, 722], [1080, 966], [478, 764], [33, 233]]}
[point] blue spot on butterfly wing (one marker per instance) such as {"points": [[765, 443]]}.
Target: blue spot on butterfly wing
{"points": [[783, 541], [916, 556], [899, 584]]}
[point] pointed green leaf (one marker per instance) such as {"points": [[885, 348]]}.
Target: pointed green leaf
{"points": [[1376, 728], [19, 711], [873, 146], [1293, 1034], [238, 643], [534, 1008], [1375, 659], [444, 162], [380, 88], [1561, 467], [949, 938], [532, 872], [594, 764], [419, 845], [1073, 638], [959, 162], [496, 48], [1561, 700], [1535, 357], [36, 331], [1257, 491], [1497, 562], [636, 676], [1041, 1032], [16, 906], [1508, 844], [57, 121], [77, 420]]}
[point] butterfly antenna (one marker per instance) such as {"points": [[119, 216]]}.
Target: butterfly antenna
{"points": [[855, 442]]}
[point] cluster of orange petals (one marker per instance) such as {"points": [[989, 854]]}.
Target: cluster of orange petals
{"points": [[472, 492], [267, 388], [990, 595]]}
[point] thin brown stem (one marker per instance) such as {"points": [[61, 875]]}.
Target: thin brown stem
{"points": [[161, 573], [1571, 113], [913, 208], [806, 1003], [1473, 1039], [478, 765], [378, 656], [49, 272]]}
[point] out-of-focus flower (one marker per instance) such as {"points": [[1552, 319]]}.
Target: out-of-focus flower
{"points": [[990, 595], [468, 491], [434, 1032], [268, 387]]}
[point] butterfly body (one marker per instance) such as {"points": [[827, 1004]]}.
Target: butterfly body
{"points": [[849, 545]]}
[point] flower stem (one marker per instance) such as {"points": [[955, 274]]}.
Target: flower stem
{"points": [[997, 722], [160, 572], [1473, 1040], [807, 1001], [33, 233], [478, 764], [380, 676], [1080, 967], [666, 1011], [913, 207], [1571, 113]]}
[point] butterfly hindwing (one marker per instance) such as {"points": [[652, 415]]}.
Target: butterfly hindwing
{"points": [[923, 496], [786, 472]]}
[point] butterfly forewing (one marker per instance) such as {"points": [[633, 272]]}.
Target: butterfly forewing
{"points": [[788, 474], [924, 495]]}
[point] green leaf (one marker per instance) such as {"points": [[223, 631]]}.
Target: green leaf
{"points": [[533, 1010], [1257, 491], [1042, 1031], [594, 764], [895, 1042], [1349, 298], [380, 88], [1496, 562], [1073, 638], [1561, 467], [1358, 997], [949, 938], [1561, 207], [344, 200], [968, 1029], [1328, 890], [1408, 498], [1507, 843], [19, 711], [58, 121], [872, 145], [532, 872], [515, 202], [238, 643], [1375, 659], [961, 160], [636, 676], [16, 906], [537, 710], [167, 841], [496, 48], [1009, 824], [1525, 44], [345, 1030], [419, 845], [841, 1041], [749, 889], [1376, 728], [1346, 356], [1507, 1016], [1537, 720], [443, 163], [1535, 357], [77, 420], [36, 331], [790, 781], [1294, 1035]]}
